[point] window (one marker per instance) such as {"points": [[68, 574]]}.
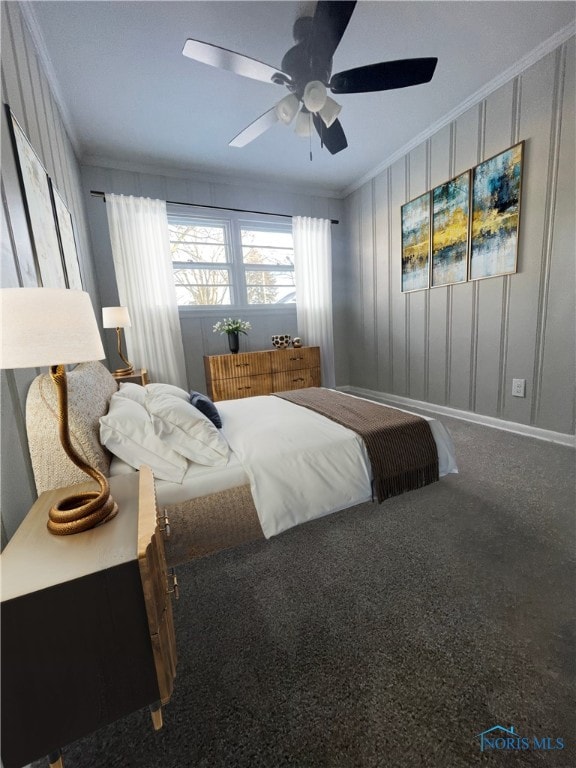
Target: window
{"points": [[232, 261]]}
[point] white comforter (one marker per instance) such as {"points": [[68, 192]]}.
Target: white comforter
{"points": [[300, 464]]}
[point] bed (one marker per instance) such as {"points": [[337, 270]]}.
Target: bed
{"points": [[273, 463]]}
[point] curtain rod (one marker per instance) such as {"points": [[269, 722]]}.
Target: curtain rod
{"points": [[95, 193]]}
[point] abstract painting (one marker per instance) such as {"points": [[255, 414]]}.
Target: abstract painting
{"points": [[38, 202], [416, 244], [496, 190], [67, 240], [450, 208]]}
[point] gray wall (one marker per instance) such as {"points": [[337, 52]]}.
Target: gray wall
{"points": [[26, 90], [197, 334], [461, 345]]}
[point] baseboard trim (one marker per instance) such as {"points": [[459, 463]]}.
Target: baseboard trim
{"points": [[477, 418]]}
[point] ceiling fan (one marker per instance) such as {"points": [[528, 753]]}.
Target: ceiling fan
{"points": [[306, 71]]}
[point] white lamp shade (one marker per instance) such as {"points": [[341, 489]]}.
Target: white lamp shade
{"points": [[47, 326], [115, 317], [286, 108], [314, 95], [330, 111], [303, 126]]}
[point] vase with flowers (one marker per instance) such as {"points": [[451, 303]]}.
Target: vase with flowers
{"points": [[232, 328]]}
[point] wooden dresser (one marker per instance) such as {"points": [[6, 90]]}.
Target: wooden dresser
{"points": [[87, 627], [259, 373]]}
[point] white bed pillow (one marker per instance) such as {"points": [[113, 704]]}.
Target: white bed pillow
{"points": [[127, 431], [133, 391], [167, 389], [186, 430]]}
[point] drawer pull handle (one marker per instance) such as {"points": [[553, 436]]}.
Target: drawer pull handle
{"points": [[247, 387], [298, 379], [173, 590], [240, 365], [164, 524], [297, 358]]}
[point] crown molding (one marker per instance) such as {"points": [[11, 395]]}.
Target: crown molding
{"points": [[516, 69], [31, 21]]}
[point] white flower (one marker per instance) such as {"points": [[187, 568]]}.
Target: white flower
{"points": [[228, 325]]}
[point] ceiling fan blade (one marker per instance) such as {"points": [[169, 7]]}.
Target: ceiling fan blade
{"points": [[333, 138], [328, 26], [384, 76], [255, 129], [229, 60]]}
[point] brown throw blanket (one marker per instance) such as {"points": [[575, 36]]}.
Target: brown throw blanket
{"points": [[400, 445]]}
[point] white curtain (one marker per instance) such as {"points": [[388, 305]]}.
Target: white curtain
{"points": [[141, 250], [313, 273]]}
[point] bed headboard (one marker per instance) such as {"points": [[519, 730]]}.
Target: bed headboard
{"points": [[90, 387]]}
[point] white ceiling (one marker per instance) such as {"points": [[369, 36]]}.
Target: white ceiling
{"points": [[131, 97]]}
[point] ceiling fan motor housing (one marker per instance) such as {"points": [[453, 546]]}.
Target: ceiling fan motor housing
{"points": [[305, 62]]}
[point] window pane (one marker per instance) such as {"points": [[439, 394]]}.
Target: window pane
{"points": [[267, 247], [254, 255], [266, 237], [213, 254], [267, 287], [202, 286], [198, 233], [198, 243]]}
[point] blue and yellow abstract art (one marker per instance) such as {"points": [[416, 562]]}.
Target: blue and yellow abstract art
{"points": [[450, 208], [496, 192], [416, 243]]}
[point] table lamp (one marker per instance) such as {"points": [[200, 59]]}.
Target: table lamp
{"points": [[56, 327], [118, 317]]}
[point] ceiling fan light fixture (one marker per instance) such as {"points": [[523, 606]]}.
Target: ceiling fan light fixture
{"points": [[303, 124], [330, 111], [315, 96], [287, 108]]}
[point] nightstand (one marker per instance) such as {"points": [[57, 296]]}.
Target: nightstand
{"points": [[87, 626], [138, 376]]}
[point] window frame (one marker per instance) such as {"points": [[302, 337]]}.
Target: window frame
{"points": [[233, 222]]}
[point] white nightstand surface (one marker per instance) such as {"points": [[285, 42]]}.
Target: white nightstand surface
{"points": [[36, 559]]}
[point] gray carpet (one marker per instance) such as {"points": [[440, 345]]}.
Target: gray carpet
{"points": [[386, 635]]}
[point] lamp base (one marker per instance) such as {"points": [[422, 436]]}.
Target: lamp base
{"points": [[119, 372], [81, 512]]}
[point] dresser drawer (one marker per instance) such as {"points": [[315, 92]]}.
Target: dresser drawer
{"points": [[234, 366], [244, 386], [294, 359], [306, 377]]}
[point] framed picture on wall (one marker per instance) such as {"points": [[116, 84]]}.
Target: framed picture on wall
{"points": [[496, 193], [35, 187], [416, 244], [25, 274], [450, 222], [67, 240]]}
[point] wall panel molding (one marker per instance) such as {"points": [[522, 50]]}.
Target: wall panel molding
{"points": [[550, 209], [475, 336]]}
